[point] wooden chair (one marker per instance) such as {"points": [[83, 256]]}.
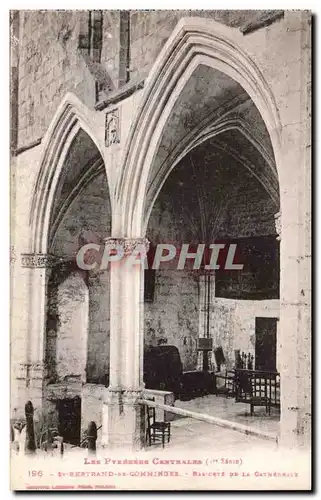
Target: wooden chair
{"points": [[156, 431], [251, 388], [227, 389]]}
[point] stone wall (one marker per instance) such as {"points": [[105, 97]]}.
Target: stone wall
{"points": [[73, 327], [67, 325], [88, 220], [99, 327], [50, 66], [111, 44], [233, 324], [150, 30], [249, 210], [174, 313], [92, 397], [51, 62]]}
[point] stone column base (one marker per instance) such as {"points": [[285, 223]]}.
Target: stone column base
{"points": [[295, 429], [123, 420]]}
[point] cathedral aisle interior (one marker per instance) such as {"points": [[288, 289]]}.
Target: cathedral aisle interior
{"points": [[148, 131]]}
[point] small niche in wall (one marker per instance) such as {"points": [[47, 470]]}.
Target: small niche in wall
{"points": [[149, 285]]}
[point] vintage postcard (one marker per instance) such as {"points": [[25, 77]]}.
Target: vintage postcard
{"points": [[160, 249]]}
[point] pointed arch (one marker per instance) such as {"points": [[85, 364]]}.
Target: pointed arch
{"points": [[197, 137], [194, 41], [71, 117]]}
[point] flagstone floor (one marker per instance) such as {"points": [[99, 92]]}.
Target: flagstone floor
{"points": [[189, 433]]}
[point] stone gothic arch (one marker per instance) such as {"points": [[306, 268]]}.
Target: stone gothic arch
{"points": [[71, 120], [197, 137], [71, 117], [194, 41]]}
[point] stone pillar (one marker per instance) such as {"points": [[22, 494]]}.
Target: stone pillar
{"points": [[123, 423], [295, 335], [295, 176], [277, 223], [205, 328], [39, 267]]}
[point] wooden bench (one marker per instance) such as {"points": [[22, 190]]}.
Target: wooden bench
{"points": [[257, 388]]}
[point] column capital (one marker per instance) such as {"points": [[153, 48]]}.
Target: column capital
{"points": [[36, 370], [35, 367], [13, 255], [38, 260], [115, 395], [128, 244], [278, 225]]}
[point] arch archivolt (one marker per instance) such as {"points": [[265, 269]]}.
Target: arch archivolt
{"points": [[199, 136], [71, 117], [194, 42]]}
